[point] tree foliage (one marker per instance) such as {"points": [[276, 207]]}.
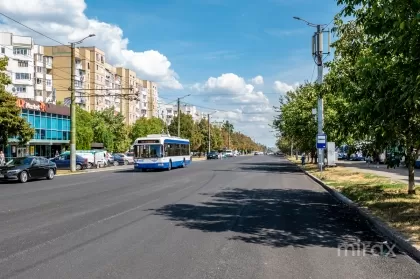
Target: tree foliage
{"points": [[371, 92], [11, 123]]}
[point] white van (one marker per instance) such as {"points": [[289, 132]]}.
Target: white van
{"points": [[229, 153]]}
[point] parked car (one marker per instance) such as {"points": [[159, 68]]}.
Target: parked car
{"points": [[29, 167], [213, 155], [124, 159], [63, 162]]}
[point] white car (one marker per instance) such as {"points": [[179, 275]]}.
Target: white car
{"points": [[229, 153]]}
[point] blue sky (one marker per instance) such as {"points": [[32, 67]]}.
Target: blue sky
{"points": [[206, 38], [208, 48]]}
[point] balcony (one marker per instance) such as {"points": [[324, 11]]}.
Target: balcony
{"points": [[39, 63], [39, 98], [39, 86], [39, 75], [22, 81]]}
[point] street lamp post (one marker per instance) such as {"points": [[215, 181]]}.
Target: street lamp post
{"points": [[73, 106], [179, 114], [208, 124], [317, 51]]}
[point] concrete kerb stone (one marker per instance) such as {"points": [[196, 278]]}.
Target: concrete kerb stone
{"points": [[95, 170], [378, 224]]}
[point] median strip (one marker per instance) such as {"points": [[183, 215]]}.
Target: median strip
{"points": [[383, 197]]}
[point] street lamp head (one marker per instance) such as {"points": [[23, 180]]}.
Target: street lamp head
{"points": [[92, 35], [296, 17]]}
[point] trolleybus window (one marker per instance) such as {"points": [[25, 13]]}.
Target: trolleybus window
{"points": [[148, 151], [177, 149]]}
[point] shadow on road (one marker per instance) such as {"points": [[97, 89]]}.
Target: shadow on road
{"points": [[277, 218], [275, 167]]}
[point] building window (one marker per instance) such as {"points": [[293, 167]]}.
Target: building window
{"points": [[22, 51], [38, 93], [23, 63], [49, 82], [3, 50], [88, 65], [38, 69], [20, 89], [39, 81], [97, 67], [23, 76]]}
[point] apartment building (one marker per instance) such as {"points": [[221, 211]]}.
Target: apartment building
{"points": [[113, 88], [29, 68], [192, 110], [167, 112], [129, 93], [61, 74]]}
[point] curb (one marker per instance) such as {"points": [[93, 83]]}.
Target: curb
{"points": [[378, 224], [93, 171]]}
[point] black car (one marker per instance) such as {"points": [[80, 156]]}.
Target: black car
{"points": [[25, 168], [212, 155]]}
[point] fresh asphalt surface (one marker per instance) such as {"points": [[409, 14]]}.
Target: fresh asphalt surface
{"points": [[245, 217]]}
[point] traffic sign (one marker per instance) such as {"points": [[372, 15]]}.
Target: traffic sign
{"points": [[321, 141]]}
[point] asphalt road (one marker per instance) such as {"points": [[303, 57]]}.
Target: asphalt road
{"points": [[245, 217]]}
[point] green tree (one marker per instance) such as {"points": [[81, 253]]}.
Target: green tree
{"points": [[11, 123], [146, 126], [84, 132], [186, 126], [385, 73]]}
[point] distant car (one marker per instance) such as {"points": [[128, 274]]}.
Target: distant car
{"points": [[124, 159], [29, 167], [229, 153], [213, 155]]}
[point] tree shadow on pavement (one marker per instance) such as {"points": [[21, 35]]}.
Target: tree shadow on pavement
{"points": [[277, 218], [275, 167]]}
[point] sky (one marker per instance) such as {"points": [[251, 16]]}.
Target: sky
{"points": [[234, 57]]}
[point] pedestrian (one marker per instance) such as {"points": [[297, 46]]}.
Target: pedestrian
{"points": [[303, 158], [2, 158]]}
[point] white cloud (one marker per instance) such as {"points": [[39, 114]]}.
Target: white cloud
{"points": [[247, 109], [282, 87], [258, 80], [66, 21], [231, 88]]}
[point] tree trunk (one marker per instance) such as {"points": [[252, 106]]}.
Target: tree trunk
{"points": [[411, 160], [411, 183]]}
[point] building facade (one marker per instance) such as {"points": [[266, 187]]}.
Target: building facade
{"points": [[52, 129], [29, 68], [99, 85]]}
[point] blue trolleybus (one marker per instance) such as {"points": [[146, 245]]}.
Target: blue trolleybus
{"points": [[161, 152]]}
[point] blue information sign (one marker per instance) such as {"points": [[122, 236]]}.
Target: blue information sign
{"points": [[321, 141]]}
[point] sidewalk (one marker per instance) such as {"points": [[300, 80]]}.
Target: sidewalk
{"points": [[398, 174]]}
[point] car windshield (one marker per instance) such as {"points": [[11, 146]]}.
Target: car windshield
{"points": [[213, 152], [20, 161]]}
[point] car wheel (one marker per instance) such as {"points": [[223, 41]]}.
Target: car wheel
{"points": [[23, 177], [50, 174], [116, 163], [78, 167], [90, 165]]}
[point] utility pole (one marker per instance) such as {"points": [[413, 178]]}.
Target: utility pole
{"points": [[208, 125], [228, 126], [73, 105], [179, 118], [320, 110], [72, 112], [318, 53]]}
